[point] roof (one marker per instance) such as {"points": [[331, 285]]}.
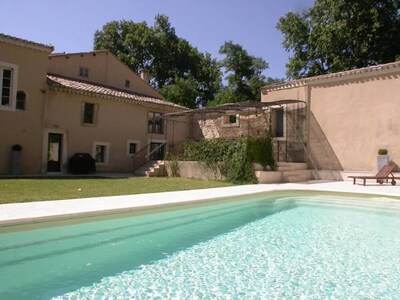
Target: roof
{"points": [[25, 43], [367, 71], [233, 107], [97, 90], [94, 52]]}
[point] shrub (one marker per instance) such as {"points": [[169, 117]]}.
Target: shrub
{"points": [[234, 157], [16, 147], [382, 151]]}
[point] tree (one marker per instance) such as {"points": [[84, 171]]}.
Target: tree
{"points": [[243, 74], [171, 60], [337, 35]]}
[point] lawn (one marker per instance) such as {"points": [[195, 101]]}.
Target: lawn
{"points": [[27, 190]]}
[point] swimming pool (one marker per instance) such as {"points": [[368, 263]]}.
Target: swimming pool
{"points": [[267, 246]]}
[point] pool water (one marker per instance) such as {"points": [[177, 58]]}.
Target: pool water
{"points": [[275, 246]]}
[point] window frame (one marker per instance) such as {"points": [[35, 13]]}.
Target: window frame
{"points": [[16, 101], [274, 122], [128, 143], [106, 154], [13, 85], [226, 120], [83, 72], [95, 112], [152, 128]]}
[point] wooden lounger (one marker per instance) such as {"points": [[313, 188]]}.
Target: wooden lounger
{"points": [[384, 174]]}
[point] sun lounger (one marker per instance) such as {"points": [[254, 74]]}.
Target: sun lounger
{"points": [[385, 174]]}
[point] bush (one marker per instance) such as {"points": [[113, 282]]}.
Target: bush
{"points": [[383, 151], [16, 147], [234, 157]]}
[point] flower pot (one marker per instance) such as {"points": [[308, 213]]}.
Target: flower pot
{"points": [[383, 160], [15, 162]]}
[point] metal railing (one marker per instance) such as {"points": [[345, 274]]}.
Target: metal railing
{"points": [[139, 159]]}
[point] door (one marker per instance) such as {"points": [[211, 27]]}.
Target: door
{"points": [[54, 152], [159, 153]]}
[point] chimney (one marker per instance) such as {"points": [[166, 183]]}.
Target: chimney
{"points": [[145, 75]]}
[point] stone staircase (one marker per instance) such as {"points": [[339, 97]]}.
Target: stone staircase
{"points": [[294, 172], [152, 169], [286, 172]]}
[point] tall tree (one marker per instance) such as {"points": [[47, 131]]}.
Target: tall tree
{"points": [[171, 60], [243, 74], [337, 35]]}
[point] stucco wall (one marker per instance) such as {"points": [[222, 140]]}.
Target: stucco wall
{"points": [[349, 117], [24, 127], [358, 117], [104, 68], [117, 122]]}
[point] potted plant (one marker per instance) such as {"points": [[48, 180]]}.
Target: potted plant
{"points": [[383, 158], [16, 159]]}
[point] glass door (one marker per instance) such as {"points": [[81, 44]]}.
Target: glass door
{"points": [[54, 152]]}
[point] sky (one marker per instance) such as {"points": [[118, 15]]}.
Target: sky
{"points": [[70, 25]]}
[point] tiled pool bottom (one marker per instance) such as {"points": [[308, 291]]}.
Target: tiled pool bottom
{"points": [[307, 251], [260, 248]]}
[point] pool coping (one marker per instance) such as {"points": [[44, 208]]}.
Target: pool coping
{"points": [[32, 212]]}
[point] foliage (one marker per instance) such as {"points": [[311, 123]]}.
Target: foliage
{"points": [[16, 147], [171, 60], [243, 74], [383, 151], [173, 164], [180, 72], [337, 35], [234, 157], [28, 190]]}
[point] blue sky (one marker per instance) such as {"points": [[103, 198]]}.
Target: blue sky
{"points": [[70, 25]]}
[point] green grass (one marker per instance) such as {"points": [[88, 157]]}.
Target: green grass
{"points": [[27, 190]]}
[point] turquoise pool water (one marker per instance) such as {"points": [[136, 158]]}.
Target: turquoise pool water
{"points": [[268, 247]]}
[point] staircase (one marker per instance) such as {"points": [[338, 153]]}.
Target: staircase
{"points": [[152, 169], [286, 172], [294, 172]]}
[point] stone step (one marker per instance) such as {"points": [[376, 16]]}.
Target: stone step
{"points": [[297, 176], [289, 166], [152, 169]]}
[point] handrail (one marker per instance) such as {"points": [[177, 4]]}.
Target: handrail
{"points": [[146, 157], [154, 150], [306, 150]]}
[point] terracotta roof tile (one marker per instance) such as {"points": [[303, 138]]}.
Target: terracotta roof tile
{"points": [[95, 89]]}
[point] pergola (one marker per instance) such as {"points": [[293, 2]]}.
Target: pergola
{"points": [[232, 108], [294, 120]]}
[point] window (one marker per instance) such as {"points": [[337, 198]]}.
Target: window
{"points": [[127, 84], [6, 87], [89, 113], [8, 83], [83, 72], [132, 147], [230, 120], [156, 122], [278, 122], [21, 97], [100, 152]]}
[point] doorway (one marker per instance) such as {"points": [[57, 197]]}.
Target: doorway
{"points": [[159, 153], [54, 152]]}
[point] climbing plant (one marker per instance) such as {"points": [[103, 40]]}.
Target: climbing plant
{"points": [[234, 157]]}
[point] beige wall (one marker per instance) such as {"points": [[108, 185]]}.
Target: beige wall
{"points": [[350, 117], [104, 68], [24, 127], [116, 123]]}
